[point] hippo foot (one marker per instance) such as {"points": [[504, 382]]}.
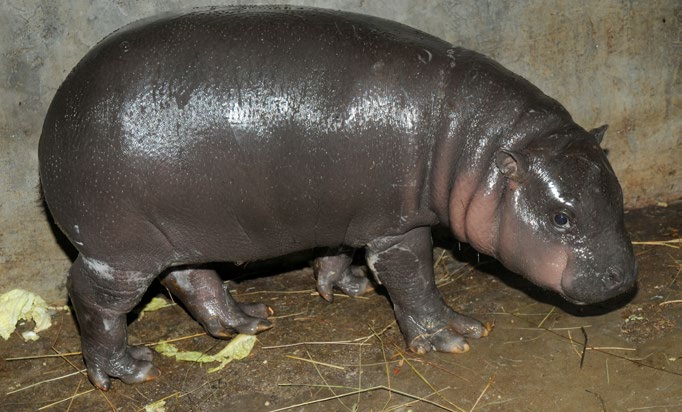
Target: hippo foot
{"points": [[132, 365], [248, 318], [256, 310], [336, 272], [209, 301], [353, 282], [442, 332]]}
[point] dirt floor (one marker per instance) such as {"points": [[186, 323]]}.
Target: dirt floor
{"points": [[349, 355]]}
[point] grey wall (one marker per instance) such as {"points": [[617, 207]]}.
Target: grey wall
{"points": [[611, 61]]}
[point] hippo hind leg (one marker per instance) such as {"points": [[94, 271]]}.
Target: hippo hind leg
{"points": [[335, 271], [204, 295], [101, 297], [404, 265]]}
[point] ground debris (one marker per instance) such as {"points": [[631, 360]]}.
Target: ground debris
{"points": [[17, 305], [238, 348], [644, 322]]}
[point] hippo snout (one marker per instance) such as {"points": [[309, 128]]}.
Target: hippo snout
{"points": [[588, 288]]}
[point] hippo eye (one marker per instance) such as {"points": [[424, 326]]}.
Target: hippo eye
{"points": [[561, 220]]}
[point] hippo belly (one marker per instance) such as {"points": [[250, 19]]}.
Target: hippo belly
{"points": [[243, 133]]}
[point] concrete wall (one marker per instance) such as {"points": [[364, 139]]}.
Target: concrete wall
{"points": [[612, 61]]}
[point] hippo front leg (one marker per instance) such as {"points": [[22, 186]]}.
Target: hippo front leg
{"points": [[101, 297], [206, 297], [335, 271], [404, 265]]}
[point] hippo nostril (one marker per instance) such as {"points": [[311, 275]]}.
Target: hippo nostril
{"points": [[613, 279]]}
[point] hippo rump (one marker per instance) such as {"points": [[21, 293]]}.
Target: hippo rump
{"points": [[244, 133]]}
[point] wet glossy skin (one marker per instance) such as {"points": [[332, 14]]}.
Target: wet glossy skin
{"points": [[239, 134]]}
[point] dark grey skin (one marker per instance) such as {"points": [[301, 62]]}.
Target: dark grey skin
{"points": [[245, 133]]}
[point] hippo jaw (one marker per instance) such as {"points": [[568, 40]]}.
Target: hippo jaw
{"points": [[582, 277], [560, 221]]}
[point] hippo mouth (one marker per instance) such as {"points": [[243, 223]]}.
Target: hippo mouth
{"points": [[573, 301]]}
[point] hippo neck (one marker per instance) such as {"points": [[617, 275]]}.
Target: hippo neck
{"points": [[491, 109]]}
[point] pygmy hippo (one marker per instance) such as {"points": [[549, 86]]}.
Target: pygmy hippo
{"points": [[244, 133]]}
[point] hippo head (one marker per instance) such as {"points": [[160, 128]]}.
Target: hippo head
{"points": [[561, 223]]}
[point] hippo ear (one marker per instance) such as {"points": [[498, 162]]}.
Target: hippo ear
{"points": [[599, 132], [512, 164]]}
